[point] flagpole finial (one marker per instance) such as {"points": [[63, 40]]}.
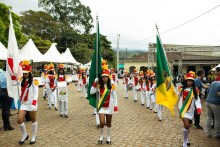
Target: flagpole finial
{"points": [[156, 26], [97, 17]]}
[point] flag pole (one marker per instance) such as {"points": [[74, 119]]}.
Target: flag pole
{"points": [[97, 62]]}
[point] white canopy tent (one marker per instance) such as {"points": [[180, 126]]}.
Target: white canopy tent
{"points": [[215, 67], [69, 58], [53, 55], [3, 52], [30, 52]]}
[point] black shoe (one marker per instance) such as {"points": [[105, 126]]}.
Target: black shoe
{"points": [[198, 127], [98, 126], [108, 142], [142, 104], [212, 126], [33, 142], [61, 115], [9, 128], [22, 141], [135, 100], [148, 107], [56, 109], [66, 116], [188, 144]]}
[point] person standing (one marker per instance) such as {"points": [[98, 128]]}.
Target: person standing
{"points": [[188, 101], [44, 76], [6, 101], [28, 99], [213, 109], [199, 85], [108, 102], [84, 83], [135, 84], [63, 93], [126, 82]]}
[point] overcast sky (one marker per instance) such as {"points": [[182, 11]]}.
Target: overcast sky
{"points": [[135, 20]]}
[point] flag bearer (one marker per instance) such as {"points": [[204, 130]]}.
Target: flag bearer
{"points": [[62, 91], [188, 100], [108, 103], [28, 99]]}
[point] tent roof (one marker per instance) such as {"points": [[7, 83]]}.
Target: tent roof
{"points": [[53, 55], [30, 52], [69, 57], [3, 51]]}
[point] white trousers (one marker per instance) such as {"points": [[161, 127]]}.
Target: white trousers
{"points": [[63, 107], [126, 90], [52, 97], [84, 92], [159, 111], [147, 99], [143, 96], [135, 94]]}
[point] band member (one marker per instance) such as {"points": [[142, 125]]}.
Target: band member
{"points": [[152, 92], [84, 83], [44, 76], [28, 99], [114, 77], [147, 83], [142, 87], [62, 91], [51, 87], [108, 103], [135, 84], [126, 82], [79, 80], [188, 100]]}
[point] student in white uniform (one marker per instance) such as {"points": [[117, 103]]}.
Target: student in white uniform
{"points": [[108, 103], [28, 99], [188, 101]]}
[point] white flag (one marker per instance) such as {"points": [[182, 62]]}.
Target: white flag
{"points": [[13, 65]]}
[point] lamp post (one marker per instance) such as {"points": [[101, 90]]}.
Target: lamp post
{"points": [[118, 37]]}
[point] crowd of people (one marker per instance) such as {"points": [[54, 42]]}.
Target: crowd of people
{"points": [[143, 84]]}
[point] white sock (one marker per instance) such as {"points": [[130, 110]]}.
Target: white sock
{"points": [[108, 134], [34, 131], [101, 134], [185, 137], [23, 131]]}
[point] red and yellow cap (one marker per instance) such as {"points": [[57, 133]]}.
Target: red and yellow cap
{"points": [[105, 71], [51, 66], [26, 67], [61, 66], [189, 76]]}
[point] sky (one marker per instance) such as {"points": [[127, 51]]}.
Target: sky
{"points": [[135, 20]]}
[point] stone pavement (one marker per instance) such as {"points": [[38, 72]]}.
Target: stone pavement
{"points": [[133, 125]]}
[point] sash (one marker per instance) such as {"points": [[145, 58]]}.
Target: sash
{"points": [[103, 98], [24, 94], [186, 103]]}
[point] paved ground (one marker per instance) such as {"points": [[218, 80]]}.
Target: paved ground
{"points": [[134, 125]]}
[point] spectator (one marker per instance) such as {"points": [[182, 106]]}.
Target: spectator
{"points": [[213, 108]]}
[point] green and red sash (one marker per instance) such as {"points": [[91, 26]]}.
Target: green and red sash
{"points": [[103, 97], [186, 103]]}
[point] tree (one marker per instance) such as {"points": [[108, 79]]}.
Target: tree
{"points": [[81, 53], [70, 12], [42, 24], [4, 26]]}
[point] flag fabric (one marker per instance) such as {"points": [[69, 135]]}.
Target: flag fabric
{"points": [[96, 68], [165, 93], [14, 69]]}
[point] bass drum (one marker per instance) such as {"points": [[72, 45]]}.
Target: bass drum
{"points": [[129, 87]]}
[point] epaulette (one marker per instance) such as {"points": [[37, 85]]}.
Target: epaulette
{"points": [[36, 82], [113, 87], [110, 77], [20, 79]]}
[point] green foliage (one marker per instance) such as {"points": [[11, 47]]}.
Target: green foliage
{"points": [[42, 45], [70, 12], [41, 24], [4, 26], [81, 53]]}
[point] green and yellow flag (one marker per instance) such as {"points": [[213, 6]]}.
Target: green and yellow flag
{"points": [[96, 67], [165, 93]]}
